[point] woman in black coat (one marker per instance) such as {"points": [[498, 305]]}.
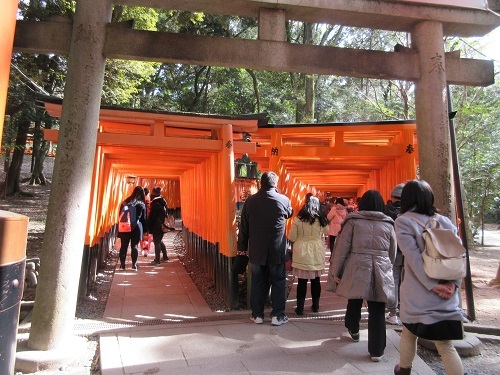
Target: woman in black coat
{"points": [[156, 218]]}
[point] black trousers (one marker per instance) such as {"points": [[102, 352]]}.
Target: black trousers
{"points": [[315, 289], [376, 323], [159, 246], [133, 238]]}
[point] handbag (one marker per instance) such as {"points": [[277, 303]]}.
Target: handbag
{"points": [[168, 224], [124, 225], [444, 256]]}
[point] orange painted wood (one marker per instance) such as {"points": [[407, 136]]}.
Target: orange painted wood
{"points": [[7, 29], [193, 164]]}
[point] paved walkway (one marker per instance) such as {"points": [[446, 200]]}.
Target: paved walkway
{"points": [[157, 322]]}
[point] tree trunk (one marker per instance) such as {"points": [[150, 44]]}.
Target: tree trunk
{"points": [[13, 186], [40, 149], [37, 177], [496, 280], [308, 112], [255, 88], [310, 102]]}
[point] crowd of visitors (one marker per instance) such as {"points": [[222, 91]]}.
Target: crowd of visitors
{"points": [[371, 243]]}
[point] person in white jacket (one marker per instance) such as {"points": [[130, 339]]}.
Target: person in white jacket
{"points": [[308, 259]]}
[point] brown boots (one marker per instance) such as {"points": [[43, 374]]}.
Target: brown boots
{"points": [[401, 371]]}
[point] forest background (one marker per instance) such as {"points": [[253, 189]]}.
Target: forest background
{"points": [[287, 98]]}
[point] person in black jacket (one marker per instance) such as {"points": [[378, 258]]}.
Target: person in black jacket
{"points": [[157, 213], [393, 210], [262, 237], [139, 226]]}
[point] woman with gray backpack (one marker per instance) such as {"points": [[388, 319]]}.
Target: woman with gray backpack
{"points": [[429, 308]]}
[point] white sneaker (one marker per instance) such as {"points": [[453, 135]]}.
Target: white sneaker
{"points": [[377, 359], [392, 319], [257, 320], [279, 321]]}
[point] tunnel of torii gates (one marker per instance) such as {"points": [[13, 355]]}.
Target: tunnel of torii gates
{"points": [[81, 170], [192, 157]]}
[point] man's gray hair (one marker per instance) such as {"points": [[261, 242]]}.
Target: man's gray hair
{"points": [[269, 180]]}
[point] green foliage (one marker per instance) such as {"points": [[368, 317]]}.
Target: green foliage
{"points": [[478, 140], [287, 97], [123, 80], [42, 10], [144, 18]]}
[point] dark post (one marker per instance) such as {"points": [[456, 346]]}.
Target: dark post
{"points": [[471, 311], [13, 236]]}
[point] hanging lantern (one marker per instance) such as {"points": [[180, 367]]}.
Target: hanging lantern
{"points": [[130, 179]]}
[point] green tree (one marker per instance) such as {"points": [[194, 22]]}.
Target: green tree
{"points": [[32, 75], [478, 141]]}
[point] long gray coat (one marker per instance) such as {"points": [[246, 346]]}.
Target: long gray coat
{"points": [[363, 256], [419, 304]]}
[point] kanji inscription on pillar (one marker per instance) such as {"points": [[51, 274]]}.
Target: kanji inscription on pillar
{"points": [[437, 64]]}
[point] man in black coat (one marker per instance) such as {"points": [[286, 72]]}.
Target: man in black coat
{"points": [[262, 236], [157, 214]]}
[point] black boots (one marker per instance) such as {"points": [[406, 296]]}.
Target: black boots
{"points": [[315, 293], [301, 296], [299, 310], [401, 371], [315, 305]]}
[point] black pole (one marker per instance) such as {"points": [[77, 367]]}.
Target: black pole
{"points": [[471, 311]]}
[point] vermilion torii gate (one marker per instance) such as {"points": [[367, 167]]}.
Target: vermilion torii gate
{"points": [[175, 150], [91, 39]]}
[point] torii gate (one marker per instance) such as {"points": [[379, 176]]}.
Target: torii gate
{"points": [[93, 39], [192, 156]]}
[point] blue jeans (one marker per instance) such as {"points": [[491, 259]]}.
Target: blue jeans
{"points": [[263, 277]]}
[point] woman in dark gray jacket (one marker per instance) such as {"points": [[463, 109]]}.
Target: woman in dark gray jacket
{"points": [[362, 266]]}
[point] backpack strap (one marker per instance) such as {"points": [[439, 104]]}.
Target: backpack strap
{"points": [[418, 221]]}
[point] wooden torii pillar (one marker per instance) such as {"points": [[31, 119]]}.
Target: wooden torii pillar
{"points": [[228, 244], [70, 192], [431, 106]]}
